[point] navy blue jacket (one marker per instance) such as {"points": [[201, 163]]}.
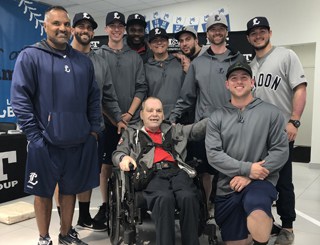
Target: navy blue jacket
{"points": [[55, 96]]}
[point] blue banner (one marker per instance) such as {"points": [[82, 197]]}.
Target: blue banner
{"points": [[20, 25]]}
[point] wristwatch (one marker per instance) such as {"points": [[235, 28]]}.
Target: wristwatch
{"points": [[295, 123]]}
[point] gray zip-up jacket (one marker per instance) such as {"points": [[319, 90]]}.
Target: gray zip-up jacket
{"points": [[108, 94], [165, 79], [235, 139], [204, 85], [130, 145], [128, 76]]}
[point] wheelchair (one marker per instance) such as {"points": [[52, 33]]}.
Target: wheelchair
{"points": [[127, 209]]}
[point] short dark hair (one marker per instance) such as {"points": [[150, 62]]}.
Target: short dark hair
{"points": [[150, 97], [55, 8]]}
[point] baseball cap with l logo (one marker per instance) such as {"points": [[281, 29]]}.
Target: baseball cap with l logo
{"points": [[257, 22]]}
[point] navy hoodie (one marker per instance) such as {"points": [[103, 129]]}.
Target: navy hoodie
{"points": [[55, 96]]}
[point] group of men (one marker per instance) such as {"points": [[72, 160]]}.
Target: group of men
{"points": [[68, 97]]}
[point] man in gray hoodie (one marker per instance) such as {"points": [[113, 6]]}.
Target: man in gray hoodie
{"points": [[247, 144], [204, 86]]}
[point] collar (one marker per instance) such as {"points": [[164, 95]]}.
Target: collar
{"points": [[157, 132], [140, 50]]}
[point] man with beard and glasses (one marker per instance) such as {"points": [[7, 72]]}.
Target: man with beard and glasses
{"points": [[280, 80], [164, 74], [135, 39], [189, 45], [204, 86], [56, 100], [83, 32]]}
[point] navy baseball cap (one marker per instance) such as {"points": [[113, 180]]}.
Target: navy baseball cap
{"points": [[84, 16], [136, 19], [257, 22], [157, 32], [239, 66], [115, 16]]}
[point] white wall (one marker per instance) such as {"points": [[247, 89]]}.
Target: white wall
{"points": [[292, 23], [306, 53]]}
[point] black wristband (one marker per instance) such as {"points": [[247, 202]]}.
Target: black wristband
{"points": [[121, 157], [129, 113]]}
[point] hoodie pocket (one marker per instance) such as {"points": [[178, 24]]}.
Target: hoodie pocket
{"points": [[67, 128]]}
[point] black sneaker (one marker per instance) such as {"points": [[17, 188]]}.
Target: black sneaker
{"points": [[45, 241], [102, 215], [71, 238], [276, 228], [92, 225]]}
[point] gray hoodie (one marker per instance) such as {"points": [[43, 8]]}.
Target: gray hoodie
{"points": [[129, 144], [108, 94], [204, 85], [128, 77], [165, 79], [235, 139]]}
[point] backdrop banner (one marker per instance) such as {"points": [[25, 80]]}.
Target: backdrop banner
{"points": [[237, 40], [21, 25]]}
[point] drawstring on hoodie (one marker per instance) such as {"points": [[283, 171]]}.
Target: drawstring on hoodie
{"points": [[240, 117]]}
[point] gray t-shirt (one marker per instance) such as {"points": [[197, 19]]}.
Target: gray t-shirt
{"points": [[276, 75]]}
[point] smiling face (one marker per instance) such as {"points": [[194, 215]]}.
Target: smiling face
{"points": [[217, 34], [188, 44], [57, 26], [152, 114], [240, 84], [259, 38], [159, 45], [83, 32], [115, 31], [135, 34]]}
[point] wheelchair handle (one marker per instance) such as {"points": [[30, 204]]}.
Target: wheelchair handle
{"points": [[131, 166]]}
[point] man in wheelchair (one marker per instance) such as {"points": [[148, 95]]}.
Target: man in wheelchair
{"points": [[161, 147]]}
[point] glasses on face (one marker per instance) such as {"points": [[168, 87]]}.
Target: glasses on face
{"points": [[159, 40], [116, 26]]}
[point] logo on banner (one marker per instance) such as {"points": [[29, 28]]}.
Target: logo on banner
{"points": [[33, 178], [12, 158]]}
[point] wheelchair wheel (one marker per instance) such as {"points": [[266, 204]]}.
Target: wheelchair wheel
{"points": [[114, 187]]}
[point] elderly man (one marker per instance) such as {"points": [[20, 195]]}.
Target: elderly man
{"points": [[171, 186]]}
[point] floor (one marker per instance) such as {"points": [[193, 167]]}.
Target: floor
{"points": [[307, 225]]}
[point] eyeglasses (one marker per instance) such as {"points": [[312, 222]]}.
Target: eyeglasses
{"points": [[116, 26], [159, 40]]}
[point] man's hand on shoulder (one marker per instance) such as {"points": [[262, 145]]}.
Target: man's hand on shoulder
{"points": [[122, 125]]}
